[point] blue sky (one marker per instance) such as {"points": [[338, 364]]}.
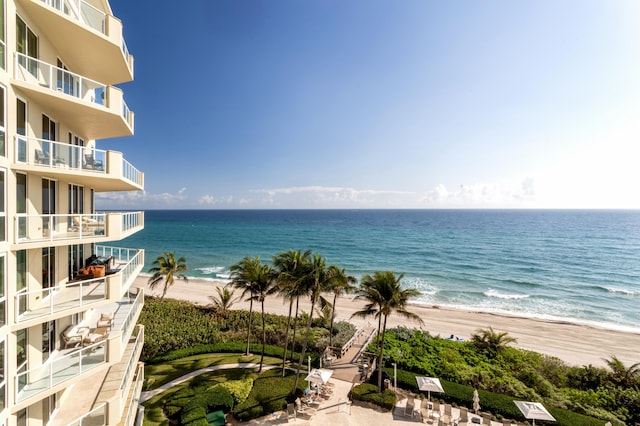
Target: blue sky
{"points": [[383, 104]]}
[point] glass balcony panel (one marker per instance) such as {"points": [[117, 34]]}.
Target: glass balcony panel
{"points": [[39, 303], [57, 227], [95, 417], [81, 12], [34, 71], [60, 369]]}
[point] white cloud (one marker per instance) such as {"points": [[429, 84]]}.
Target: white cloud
{"points": [[141, 199]]}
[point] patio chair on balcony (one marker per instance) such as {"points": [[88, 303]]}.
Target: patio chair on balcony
{"points": [[42, 158], [91, 163], [106, 320], [74, 335]]}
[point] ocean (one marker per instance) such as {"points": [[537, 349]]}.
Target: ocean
{"points": [[581, 266]]}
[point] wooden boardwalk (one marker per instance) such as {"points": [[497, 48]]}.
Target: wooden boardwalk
{"points": [[346, 368]]}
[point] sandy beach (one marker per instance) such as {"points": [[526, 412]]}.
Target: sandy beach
{"points": [[575, 344]]}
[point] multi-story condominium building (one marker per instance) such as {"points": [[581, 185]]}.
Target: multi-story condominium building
{"points": [[69, 342]]}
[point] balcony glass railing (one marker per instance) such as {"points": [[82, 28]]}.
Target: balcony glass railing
{"points": [[132, 363], [56, 227], [42, 152], [47, 301], [133, 259], [59, 370], [80, 11], [97, 416], [135, 397], [131, 220], [132, 315], [131, 173], [36, 72]]}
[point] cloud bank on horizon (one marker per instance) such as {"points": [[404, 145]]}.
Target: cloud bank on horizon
{"points": [[509, 195]]}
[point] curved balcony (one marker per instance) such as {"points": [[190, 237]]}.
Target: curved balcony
{"points": [[31, 307], [59, 158], [121, 344], [93, 109], [31, 230], [89, 39]]}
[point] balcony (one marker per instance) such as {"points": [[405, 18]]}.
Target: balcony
{"points": [[63, 229], [67, 366], [78, 296], [89, 39], [94, 110], [60, 159]]}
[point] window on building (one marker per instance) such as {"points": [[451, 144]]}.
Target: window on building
{"points": [[49, 205], [76, 259], [3, 293], [48, 339], [3, 204], [21, 130], [21, 357], [3, 36], [3, 380], [21, 204], [3, 131], [48, 267], [21, 280], [27, 45]]}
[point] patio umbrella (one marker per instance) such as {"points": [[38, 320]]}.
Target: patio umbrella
{"points": [[429, 384], [533, 411], [476, 401], [319, 375]]}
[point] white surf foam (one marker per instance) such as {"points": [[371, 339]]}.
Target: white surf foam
{"points": [[494, 293]]}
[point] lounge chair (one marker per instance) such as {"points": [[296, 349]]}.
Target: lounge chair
{"points": [[464, 417], [424, 413], [506, 422], [74, 335], [408, 409], [91, 163]]}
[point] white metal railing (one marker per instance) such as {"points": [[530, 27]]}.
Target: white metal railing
{"points": [[132, 363], [54, 227], [59, 370], [95, 417], [130, 321], [131, 173], [46, 301], [125, 52], [126, 113], [135, 397], [131, 220], [82, 12], [42, 152], [37, 72], [133, 259]]}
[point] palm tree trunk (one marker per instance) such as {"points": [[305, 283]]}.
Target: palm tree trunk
{"points": [[333, 315], [286, 337], [304, 346], [295, 328], [381, 353], [264, 337], [249, 327]]}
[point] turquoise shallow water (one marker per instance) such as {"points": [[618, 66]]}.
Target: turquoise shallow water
{"points": [[581, 266]]}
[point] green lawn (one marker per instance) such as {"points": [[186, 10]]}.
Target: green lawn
{"points": [[158, 375]]}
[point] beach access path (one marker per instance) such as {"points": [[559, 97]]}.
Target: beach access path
{"points": [[576, 344]]}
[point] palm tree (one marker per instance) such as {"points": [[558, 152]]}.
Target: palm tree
{"points": [[490, 341], [621, 374], [224, 300], [168, 268], [340, 284], [386, 296], [290, 267], [263, 287], [316, 280], [243, 277]]}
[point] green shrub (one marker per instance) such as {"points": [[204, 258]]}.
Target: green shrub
{"points": [[369, 393], [239, 389]]}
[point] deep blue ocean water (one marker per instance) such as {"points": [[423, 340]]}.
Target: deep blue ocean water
{"points": [[576, 265]]}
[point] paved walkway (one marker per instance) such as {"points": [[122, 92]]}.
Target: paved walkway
{"points": [[144, 396], [346, 368]]}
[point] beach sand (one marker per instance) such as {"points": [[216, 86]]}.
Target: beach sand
{"points": [[576, 344]]}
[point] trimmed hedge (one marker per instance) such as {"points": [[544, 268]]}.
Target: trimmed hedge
{"points": [[498, 404], [224, 347], [195, 412], [369, 393], [270, 393]]}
